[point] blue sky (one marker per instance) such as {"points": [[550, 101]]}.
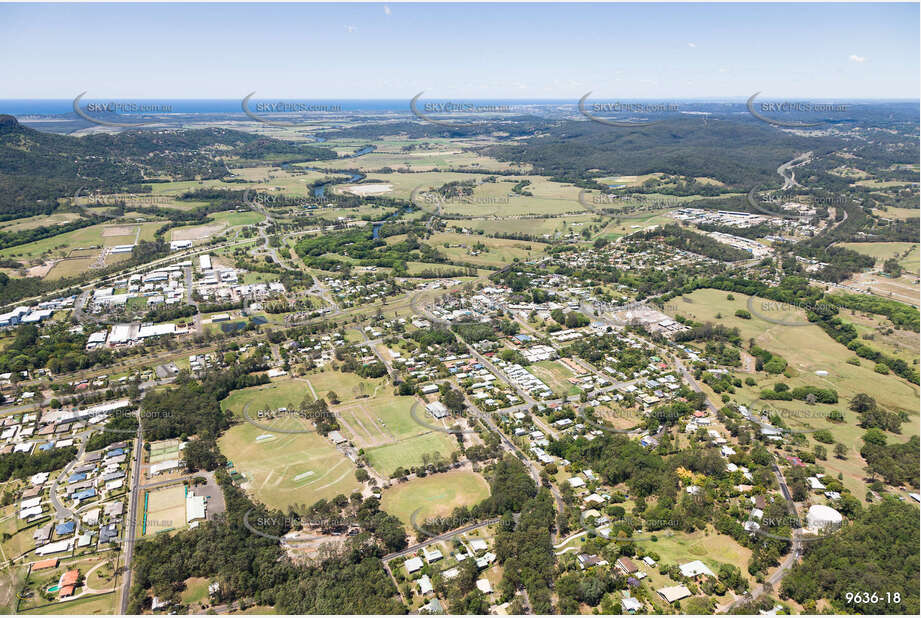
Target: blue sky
{"points": [[393, 51]]}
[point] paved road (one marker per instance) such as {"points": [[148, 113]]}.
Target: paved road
{"points": [[130, 520], [441, 537]]}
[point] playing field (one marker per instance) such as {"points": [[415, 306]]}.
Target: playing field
{"points": [[412, 451], [163, 450], [436, 495], [165, 509], [283, 393], [284, 469]]}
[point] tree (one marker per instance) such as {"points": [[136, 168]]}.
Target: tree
{"points": [[840, 451]]}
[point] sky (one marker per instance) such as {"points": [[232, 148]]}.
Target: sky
{"points": [[475, 51]]}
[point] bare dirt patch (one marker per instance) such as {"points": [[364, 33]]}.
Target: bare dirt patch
{"points": [[119, 230], [202, 232], [370, 189]]}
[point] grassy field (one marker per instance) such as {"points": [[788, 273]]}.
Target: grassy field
{"points": [[107, 235], [165, 509], [807, 349], [436, 495], [288, 468], [556, 376], [11, 581], [347, 386], [196, 590], [707, 546], [905, 252], [20, 538], [553, 225], [899, 213], [498, 251], [411, 451], [283, 393], [28, 223]]}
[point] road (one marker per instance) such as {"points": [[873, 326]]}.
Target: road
{"points": [[796, 551], [130, 520], [441, 537]]}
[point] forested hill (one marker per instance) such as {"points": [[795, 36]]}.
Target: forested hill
{"points": [[37, 168], [737, 152]]}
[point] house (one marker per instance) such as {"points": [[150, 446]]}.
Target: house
{"points": [[674, 593], [432, 554], [576, 482], [695, 568], [478, 545], [630, 605], [587, 561], [425, 585], [414, 564], [484, 586], [626, 565]]}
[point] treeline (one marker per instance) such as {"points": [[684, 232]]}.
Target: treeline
{"points": [[24, 465], [902, 315], [56, 348], [37, 169], [22, 237], [875, 553]]}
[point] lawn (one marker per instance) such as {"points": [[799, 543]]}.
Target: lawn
{"points": [[556, 376], [89, 605], [288, 468], [196, 590], [436, 495], [347, 386], [411, 451], [283, 393], [707, 546]]}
